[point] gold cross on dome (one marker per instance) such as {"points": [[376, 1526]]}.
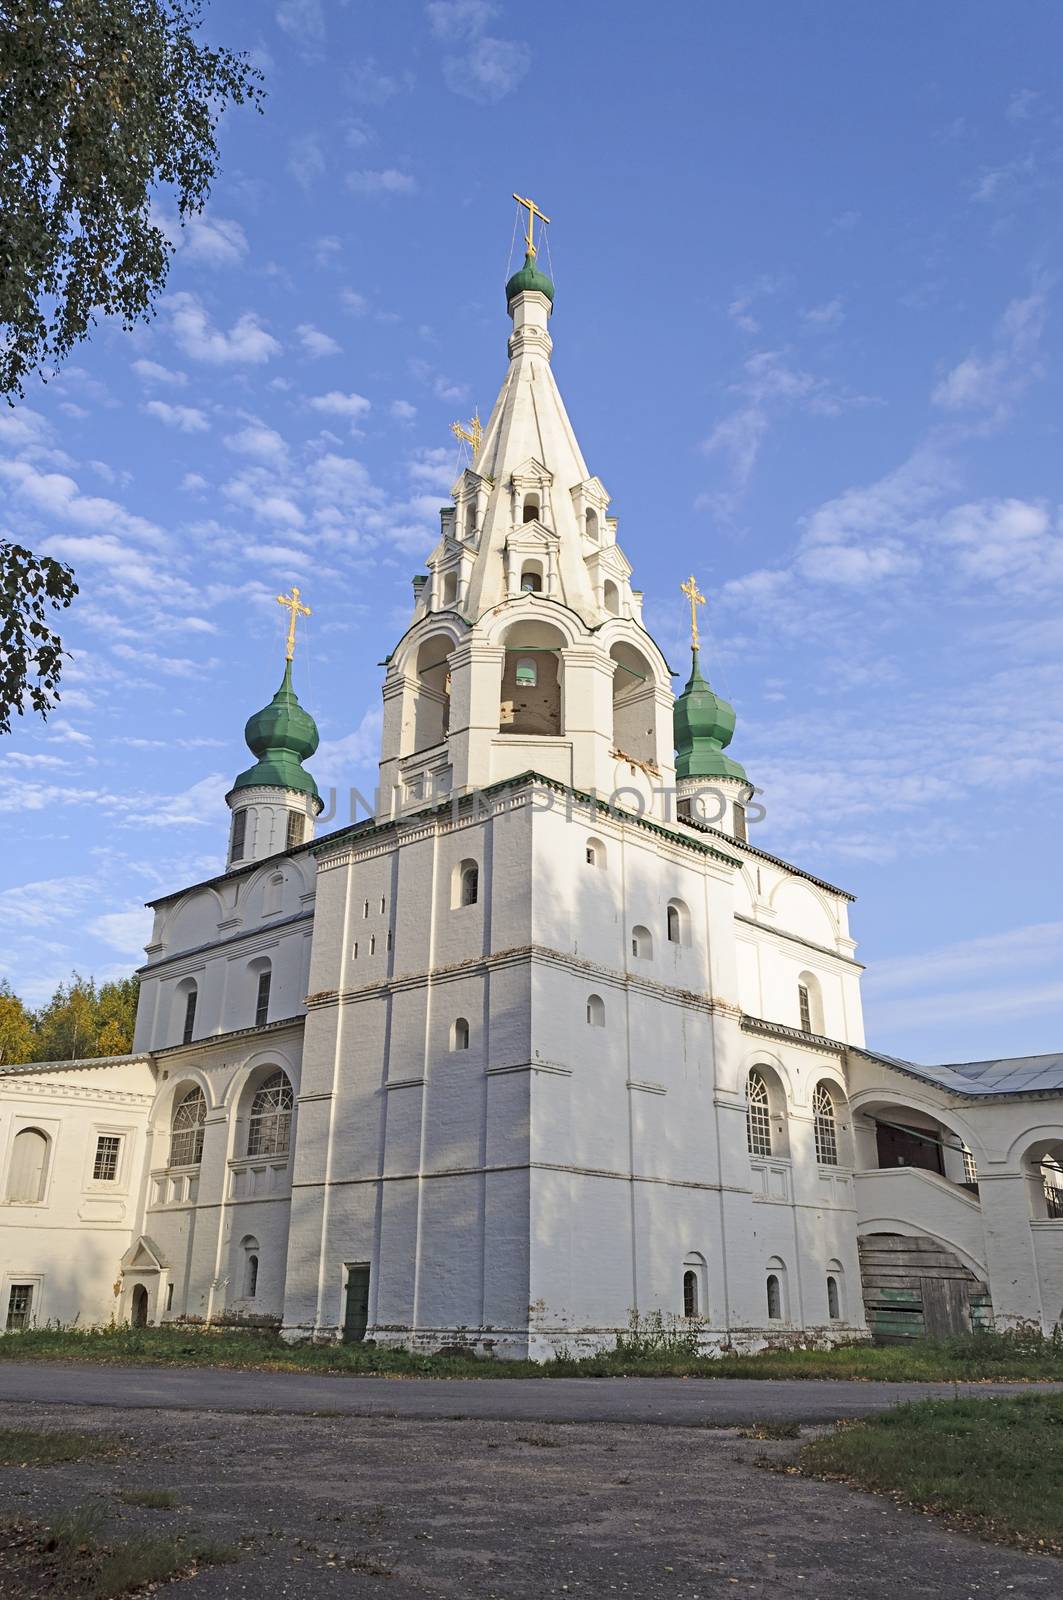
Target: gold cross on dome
{"points": [[696, 598], [529, 232], [472, 432], [295, 609]]}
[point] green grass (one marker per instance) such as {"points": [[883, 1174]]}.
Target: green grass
{"points": [[649, 1349], [32, 1447], [75, 1555], [994, 1466]]}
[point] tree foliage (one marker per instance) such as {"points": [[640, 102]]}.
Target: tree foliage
{"points": [[81, 1021], [102, 102], [31, 653]]}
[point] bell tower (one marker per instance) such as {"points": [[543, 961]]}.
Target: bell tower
{"points": [[526, 650]]}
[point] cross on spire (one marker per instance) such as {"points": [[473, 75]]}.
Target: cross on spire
{"points": [[696, 598], [529, 232], [295, 609], [472, 432]]}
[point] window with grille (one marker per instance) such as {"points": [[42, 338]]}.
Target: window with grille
{"points": [[296, 825], [758, 1117], [265, 978], [19, 1307], [189, 1026], [804, 1004], [236, 850], [825, 1126], [105, 1164], [270, 1129], [186, 1130]]}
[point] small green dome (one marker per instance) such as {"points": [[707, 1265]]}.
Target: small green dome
{"points": [[282, 735], [529, 278], [704, 725]]}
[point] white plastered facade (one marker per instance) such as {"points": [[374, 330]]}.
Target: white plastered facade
{"points": [[517, 1014]]}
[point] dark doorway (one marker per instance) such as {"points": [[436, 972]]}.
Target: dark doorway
{"points": [[356, 1305], [140, 1306], [909, 1147]]}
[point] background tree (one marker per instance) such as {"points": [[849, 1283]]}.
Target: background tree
{"points": [[16, 1028], [103, 103]]}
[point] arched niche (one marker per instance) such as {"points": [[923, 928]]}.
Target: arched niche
{"points": [[531, 707], [634, 702], [431, 699]]}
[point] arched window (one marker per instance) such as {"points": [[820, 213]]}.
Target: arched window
{"points": [[774, 1297], [595, 1011], [459, 1034], [269, 1130], [29, 1167], [740, 830], [251, 1277], [239, 836], [296, 830], [190, 995], [758, 1116], [186, 1130], [834, 1299], [690, 1293], [677, 922], [273, 898], [531, 578], [970, 1168], [531, 508], [527, 673], [611, 597], [595, 853], [468, 883], [470, 519], [642, 944], [809, 1004], [264, 981], [450, 589], [826, 1128], [590, 523], [804, 1006]]}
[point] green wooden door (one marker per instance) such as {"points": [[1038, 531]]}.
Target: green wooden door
{"points": [[356, 1304]]}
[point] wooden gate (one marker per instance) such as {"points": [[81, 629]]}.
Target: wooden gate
{"points": [[916, 1287]]}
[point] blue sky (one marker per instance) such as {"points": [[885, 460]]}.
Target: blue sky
{"points": [[807, 326]]}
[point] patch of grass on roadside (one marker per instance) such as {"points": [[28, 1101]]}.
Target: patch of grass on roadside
{"points": [[993, 1466], [771, 1430], [74, 1556], [150, 1499], [651, 1349], [35, 1447]]}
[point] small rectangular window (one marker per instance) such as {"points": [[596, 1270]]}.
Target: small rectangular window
{"points": [[740, 832], [236, 852], [19, 1307], [262, 999], [169, 1297], [296, 823], [190, 1017], [105, 1166], [805, 1006], [383, 903]]}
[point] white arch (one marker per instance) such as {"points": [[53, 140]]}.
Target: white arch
{"points": [[869, 1225], [534, 608], [620, 630], [438, 624], [913, 1100], [277, 1060], [1040, 1133]]}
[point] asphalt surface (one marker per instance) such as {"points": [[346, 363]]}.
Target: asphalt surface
{"points": [[404, 1508], [670, 1402]]}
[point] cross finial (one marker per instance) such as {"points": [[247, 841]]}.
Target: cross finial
{"points": [[472, 432], [295, 609], [696, 598], [529, 232]]}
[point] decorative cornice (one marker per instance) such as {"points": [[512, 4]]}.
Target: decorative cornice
{"points": [[795, 938], [808, 1041], [198, 1046], [763, 855], [152, 967]]}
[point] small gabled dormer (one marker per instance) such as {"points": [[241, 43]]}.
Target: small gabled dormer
{"points": [[590, 503], [529, 489]]}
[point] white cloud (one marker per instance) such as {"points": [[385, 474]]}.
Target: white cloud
{"points": [[302, 20], [489, 68], [1021, 105], [457, 19], [389, 181], [770, 384], [1004, 183], [59, 498], [247, 341], [259, 442], [828, 315], [341, 405], [186, 419], [306, 159], [214, 241], [125, 931], [315, 343], [403, 410], [355, 303], [153, 372], [337, 762], [992, 383]]}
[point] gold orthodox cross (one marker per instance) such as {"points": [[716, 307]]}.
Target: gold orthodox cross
{"points": [[533, 212], [295, 609], [472, 433], [696, 598]]}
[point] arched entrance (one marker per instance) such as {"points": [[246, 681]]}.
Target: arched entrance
{"points": [[139, 1314]]}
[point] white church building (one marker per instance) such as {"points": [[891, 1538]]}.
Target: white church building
{"points": [[546, 1041]]}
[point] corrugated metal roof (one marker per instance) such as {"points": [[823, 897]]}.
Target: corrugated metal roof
{"points": [[1009, 1075]]}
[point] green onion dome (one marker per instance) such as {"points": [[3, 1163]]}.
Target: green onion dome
{"points": [[529, 278], [282, 735], [704, 725]]}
